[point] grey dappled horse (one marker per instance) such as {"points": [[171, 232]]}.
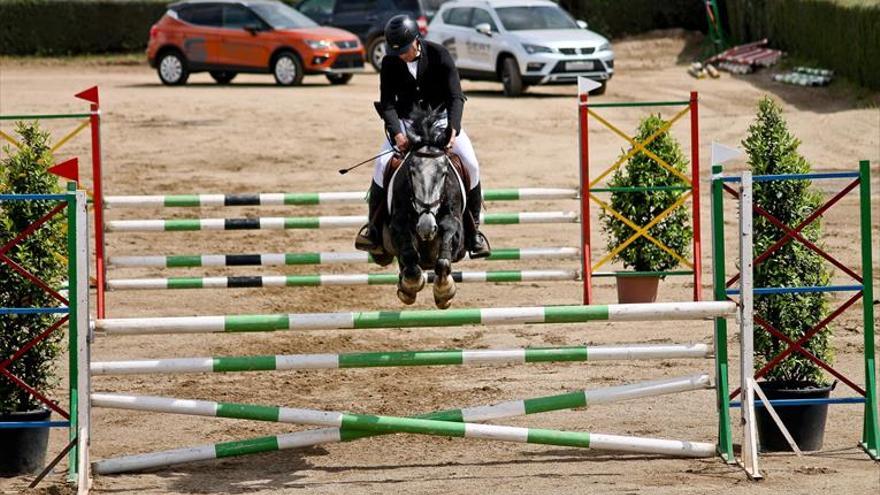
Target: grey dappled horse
{"points": [[427, 200]]}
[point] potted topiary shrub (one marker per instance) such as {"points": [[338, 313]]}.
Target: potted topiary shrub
{"points": [[42, 253], [641, 207], [771, 149]]}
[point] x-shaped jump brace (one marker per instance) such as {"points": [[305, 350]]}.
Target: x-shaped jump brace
{"points": [[642, 231], [795, 234], [70, 169], [61, 142], [4, 259]]}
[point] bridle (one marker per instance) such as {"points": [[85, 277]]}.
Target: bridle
{"points": [[420, 206]]}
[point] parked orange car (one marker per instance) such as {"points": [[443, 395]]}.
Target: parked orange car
{"points": [[226, 37]]}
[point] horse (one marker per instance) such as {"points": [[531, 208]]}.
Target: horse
{"points": [[426, 205]]}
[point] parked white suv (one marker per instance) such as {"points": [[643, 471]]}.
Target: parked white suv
{"points": [[521, 43]]}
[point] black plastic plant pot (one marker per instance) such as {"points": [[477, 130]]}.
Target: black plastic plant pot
{"points": [[805, 423], [23, 449]]}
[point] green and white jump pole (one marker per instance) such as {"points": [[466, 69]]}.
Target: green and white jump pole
{"points": [[239, 282], [323, 222], [425, 318], [315, 198], [454, 357], [319, 258], [450, 423]]}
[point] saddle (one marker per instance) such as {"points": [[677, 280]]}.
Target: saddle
{"points": [[397, 160]]}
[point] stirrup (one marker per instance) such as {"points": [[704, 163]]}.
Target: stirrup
{"points": [[479, 249], [363, 242]]}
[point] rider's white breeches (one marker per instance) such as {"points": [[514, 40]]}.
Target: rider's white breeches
{"points": [[462, 147]]}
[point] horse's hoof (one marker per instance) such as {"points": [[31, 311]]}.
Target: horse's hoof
{"points": [[406, 297], [443, 303], [443, 293]]}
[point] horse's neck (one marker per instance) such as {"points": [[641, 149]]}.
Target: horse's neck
{"points": [[398, 184]]}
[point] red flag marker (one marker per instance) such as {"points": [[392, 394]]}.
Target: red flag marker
{"points": [[90, 94], [69, 169]]}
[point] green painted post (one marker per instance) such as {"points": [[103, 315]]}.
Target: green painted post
{"points": [[72, 348], [871, 429], [725, 438]]}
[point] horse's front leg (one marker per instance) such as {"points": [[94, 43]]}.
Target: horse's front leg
{"points": [[450, 238], [411, 279]]}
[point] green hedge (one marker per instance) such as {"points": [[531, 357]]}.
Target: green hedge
{"points": [[68, 27], [616, 18], [840, 35]]}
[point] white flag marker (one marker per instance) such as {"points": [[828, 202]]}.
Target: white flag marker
{"points": [[585, 85], [722, 153]]}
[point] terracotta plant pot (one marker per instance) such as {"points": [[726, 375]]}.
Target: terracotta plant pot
{"points": [[637, 289]]}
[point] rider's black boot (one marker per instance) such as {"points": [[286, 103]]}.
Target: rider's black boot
{"points": [[369, 238], [477, 244]]}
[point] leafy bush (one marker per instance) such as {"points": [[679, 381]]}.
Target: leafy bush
{"points": [[674, 231], [772, 149], [42, 253]]}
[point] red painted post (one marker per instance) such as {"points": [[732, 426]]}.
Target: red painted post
{"points": [[98, 201], [586, 257], [695, 184]]}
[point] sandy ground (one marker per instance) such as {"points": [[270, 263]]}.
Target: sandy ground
{"points": [[255, 137]]}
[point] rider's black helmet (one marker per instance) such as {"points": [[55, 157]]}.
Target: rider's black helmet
{"points": [[400, 32]]}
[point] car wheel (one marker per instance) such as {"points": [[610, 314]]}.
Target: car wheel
{"points": [[287, 69], [339, 78], [172, 68], [511, 77], [376, 51], [600, 90], [222, 76]]}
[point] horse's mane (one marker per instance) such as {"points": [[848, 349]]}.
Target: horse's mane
{"points": [[423, 130]]}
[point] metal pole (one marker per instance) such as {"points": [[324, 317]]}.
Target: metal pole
{"points": [[83, 338], [747, 328], [695, 184], [584, 145], [725, 439], [72, 324], [98, 198], [871, 428]]}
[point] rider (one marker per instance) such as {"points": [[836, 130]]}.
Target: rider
{"points": [[417, 72]]}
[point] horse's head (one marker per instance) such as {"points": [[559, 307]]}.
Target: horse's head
{"points": [[428, 166], [428, 129]]}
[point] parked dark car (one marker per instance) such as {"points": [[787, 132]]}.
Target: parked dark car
{"points": [[365, 18]]}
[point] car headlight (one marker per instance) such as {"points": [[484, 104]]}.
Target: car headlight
{"points": [[532, 49], [604, 47], [319, 44]]}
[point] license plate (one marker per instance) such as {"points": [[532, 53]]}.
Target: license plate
{"points": [[572, 66]]}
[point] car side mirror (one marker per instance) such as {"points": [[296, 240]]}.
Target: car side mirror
{"points": [[581, 24], [254, 28], [484, 28]]}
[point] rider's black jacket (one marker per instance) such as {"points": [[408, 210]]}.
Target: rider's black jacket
{"points": [[436, 84]]}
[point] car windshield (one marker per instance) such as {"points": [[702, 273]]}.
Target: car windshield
{"points": [[280, 16], [544, 17]]}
